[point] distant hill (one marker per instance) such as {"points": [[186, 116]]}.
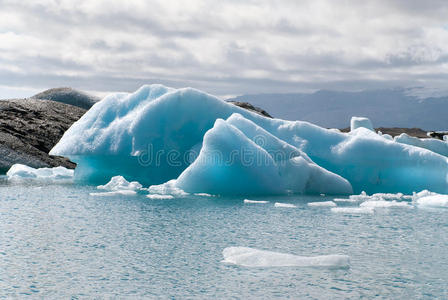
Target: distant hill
{"points": [[333, 109], [68, 96]]}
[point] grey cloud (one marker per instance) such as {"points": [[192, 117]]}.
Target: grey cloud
{"points": [[114, 54]]}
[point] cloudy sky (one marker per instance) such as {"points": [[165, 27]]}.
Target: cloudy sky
{"points": [[223, 47]]}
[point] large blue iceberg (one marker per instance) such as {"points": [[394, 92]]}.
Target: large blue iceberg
{"points": [[203, 144]]}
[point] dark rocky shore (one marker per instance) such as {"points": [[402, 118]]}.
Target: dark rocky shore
{"points": [[29, 128]]}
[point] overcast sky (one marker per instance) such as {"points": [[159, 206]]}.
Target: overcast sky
{"points": [[222, 47]]}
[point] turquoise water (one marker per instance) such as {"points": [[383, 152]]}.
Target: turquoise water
{"points": [[58, 242]]}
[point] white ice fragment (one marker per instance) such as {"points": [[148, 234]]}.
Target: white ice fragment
{"points": [[385, 204], [22, 172], [115, 193], [353, 210], [167, 188], [323, 203], [433, 201], [250, 257], [255, 201], [286, 205], [120, 183], [204, 195], [346, 200], [159, 197], [388, 196]]}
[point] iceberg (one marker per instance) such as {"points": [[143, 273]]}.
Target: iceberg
{"points": [[434, 145], [56, 174], [168, 139], [250, 257]]}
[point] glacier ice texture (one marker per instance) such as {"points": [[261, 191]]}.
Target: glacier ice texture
{"points": [[434, 145], [198, 143]]}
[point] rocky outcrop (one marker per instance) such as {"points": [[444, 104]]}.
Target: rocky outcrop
{"points": [[250, 107], [68, 96], [394, 131], [29, 128]]}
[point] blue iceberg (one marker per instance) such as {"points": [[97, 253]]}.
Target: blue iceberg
{"points": [[201, 144]]}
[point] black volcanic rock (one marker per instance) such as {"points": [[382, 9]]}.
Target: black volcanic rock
{"points": [[29, 128], [248, 106], [69, 96]]}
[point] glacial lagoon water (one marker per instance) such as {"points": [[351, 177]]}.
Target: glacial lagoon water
{"points": [[57, 241]]}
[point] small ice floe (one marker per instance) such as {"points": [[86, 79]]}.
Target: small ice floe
{"points": [[255, 201], [119, 183], [203, 195], [353, 210], [22, 172], [250, 257], [159, 197], [385, 204], [323, 204], [286, 205], [354, 198], [167, 188], [388, 196], [433, 201], [114, 193], [429, 199]]}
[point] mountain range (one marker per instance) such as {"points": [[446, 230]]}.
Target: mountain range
{"points": [[398, 107]]}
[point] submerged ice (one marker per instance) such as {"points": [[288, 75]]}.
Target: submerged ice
{"points": [[250, 257], [199, 143]]}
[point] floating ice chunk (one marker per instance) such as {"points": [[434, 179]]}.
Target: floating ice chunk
{"points": [[286, 205], [115, 193], [22, 172], [255, 201], [204, 195], [357, 122], [434, 145], [120, 183], [388, 196], [323, 203], [249, 257], [167, 188], [354, 198], [433, 201], [385, 204], [353, 210], [159, 197], [345, 200]]}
